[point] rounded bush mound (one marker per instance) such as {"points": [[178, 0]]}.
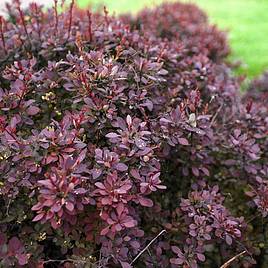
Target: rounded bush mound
{"points": [[119, 148], [258, 89], [184, 23]]}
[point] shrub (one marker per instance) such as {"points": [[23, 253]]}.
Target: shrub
{"points": [[113, 138], [258, 89], [184, 23]]}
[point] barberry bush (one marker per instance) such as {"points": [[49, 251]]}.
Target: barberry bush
{"points": [[184, 23], [124, 147]]}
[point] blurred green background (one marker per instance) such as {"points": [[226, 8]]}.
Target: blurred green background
{"points": [[245, 20]]}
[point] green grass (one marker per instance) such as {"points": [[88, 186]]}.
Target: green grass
{"points": [[245, 20]]}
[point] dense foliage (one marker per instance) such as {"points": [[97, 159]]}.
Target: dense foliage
{"points": [[258, 89], [114, 136], [184, 23]]}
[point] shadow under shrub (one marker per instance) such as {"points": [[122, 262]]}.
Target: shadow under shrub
{"points": [[110, 135]]}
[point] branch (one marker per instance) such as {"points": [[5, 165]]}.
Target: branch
{"points": [[151, 242], [226, 265], [65, 260]]}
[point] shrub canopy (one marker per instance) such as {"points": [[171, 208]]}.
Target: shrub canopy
{"points": [[112, 134]]}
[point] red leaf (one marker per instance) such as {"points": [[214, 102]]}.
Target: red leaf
{"points": [[105, 231], [146, 202], [130, 223], [69, 205]]}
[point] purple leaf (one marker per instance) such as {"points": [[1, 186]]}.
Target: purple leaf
{"points": [[125, 264], [201, 257], [121, 167], [33, 110], [38, 217], [112, 135], [183, 141]]}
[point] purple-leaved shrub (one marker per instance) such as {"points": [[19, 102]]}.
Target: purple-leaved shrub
{"points": [[112, 133]]}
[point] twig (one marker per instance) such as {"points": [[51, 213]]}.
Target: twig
{"points": [[56, 15], [2, 32], [151, 242], [8, 206], [216, 114], [65, 260], [89, 15], [70, 18], [225, 265]]}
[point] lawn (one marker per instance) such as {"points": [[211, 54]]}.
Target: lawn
{"points": [[245, 20]]}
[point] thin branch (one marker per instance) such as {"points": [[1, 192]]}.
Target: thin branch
{"points": [[226, 265], [66, 260], [151, 242], [70, 18], [216, 114], [89, 15], [2, 32], [56, 15]]}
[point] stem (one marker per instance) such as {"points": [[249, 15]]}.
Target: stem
{"points": [[56, 15], [227, 264], [22, 18], [89, 25], [106, 15], [2, 32], [66, 260], [151, 242], [70, 18]]}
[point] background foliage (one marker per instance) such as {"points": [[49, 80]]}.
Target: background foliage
{"points": [[245, 20]]}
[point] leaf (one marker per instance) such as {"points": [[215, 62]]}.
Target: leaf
{"points": [[176, 261], [195, 171], [130, 223], [135, 174], [3, 239], [140, 143], [105, 231], [183, 141], [100, 185], [201, 257], [14, 244], [146, 202], [96, 173], [192, 120], [56, 207], [125, 264], [121, 167], [22, 258], [69, 205], [33, 110], [120, 208], [228, 240], [112, 135], [176, 250], [80, 191], [129, 120], [38, 217]]}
